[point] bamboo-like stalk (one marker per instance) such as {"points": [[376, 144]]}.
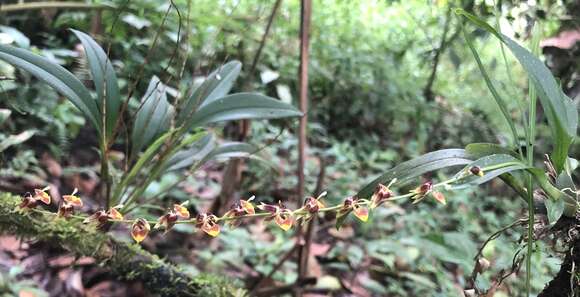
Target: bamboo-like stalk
{"points": [[305, 15]]}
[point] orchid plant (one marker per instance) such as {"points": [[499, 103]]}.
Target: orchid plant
{"points": [[163, 142]]}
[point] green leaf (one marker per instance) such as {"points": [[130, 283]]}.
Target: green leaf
{"points": [[187, 157], [341, 218], [57, 77], [559, 109], [105, 81], [410, 169], [233, 150], [478, 150], [554, 209], [216, 85], [241, 106], [153, 118], [4, 115], [15, 139], [500, 164], [492, 166], [496, 96], [141, 162]]}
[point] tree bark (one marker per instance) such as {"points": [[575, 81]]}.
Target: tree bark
{"points": [[126, 261], [567, 283]]}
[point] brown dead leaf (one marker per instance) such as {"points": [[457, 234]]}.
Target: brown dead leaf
{"points": [[61, 261], [51, 165], [564, 40], [9, 243], [319, 249], [25, 293]]}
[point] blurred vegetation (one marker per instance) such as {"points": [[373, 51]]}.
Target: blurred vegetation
{"points": [[375, 100]]}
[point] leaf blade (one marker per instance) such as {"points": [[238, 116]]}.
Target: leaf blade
{"points": [[105, 81]]}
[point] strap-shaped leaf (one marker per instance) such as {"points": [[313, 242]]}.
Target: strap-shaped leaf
{"points": [[145, 158], [15, 139], [57, 77], [153, 118], [426, 163], [197, 152], [498, 164], [561, 112], [105, 80], [216, 85], [492, 166], [478, 150], [233, 150], [241, 106]]}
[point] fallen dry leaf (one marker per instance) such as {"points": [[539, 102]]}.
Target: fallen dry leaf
{"points": [[51, 165]]}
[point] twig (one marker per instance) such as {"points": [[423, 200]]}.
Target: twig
{"points": [[304, 251], [476, 267], [274, 269], [427, 91]]}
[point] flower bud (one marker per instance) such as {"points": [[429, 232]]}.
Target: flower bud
{"points": [[482, 265], [476, 170], [469, 293], [420, 192]]}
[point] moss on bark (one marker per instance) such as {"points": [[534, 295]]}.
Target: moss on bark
{"points": [[125, 261]]}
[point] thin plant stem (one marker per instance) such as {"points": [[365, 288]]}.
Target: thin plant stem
{"points": [[530, 158], [297, 212], [509, 73], [501, 103]]}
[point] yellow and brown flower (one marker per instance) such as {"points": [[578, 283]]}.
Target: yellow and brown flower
{"points": [[381, 194], [247, 205], [181, 210], [42, 195], [166, 221], [282, 216], [31, 201], [208, 224], [72, 199], [65, 210], [140, 229]]}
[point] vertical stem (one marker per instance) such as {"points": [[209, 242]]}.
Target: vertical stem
{"points": [[427, 90], [530, 156], [305, 13], [304, 43], [106, 180]]}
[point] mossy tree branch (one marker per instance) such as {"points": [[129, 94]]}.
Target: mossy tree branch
{"points": [[125, 261]]}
